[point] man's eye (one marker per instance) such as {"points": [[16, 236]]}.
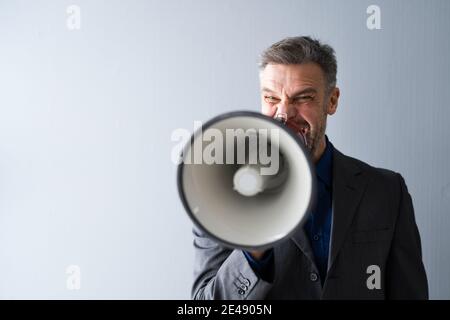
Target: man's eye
{"points": [[304, 98], [271, 99]]}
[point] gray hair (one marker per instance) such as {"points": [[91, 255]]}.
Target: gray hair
{"points": [[298, 50]]}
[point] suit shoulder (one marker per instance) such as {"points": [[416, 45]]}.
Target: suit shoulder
{"points": [[383, 183], [376, 173]]}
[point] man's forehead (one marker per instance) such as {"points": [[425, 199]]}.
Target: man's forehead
{"points": [[291, 77]]}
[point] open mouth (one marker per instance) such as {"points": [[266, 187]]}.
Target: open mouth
{"points": [[304, 130], [300, 129]]}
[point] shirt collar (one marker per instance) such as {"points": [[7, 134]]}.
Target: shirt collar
{"points": [[325, 164]]}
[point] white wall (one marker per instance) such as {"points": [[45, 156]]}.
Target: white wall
{"points": [[86, 118]]}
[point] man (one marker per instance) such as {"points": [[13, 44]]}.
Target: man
{"points": [[360, 241]]}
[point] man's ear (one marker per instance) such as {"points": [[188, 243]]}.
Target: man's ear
{"points": [[333, 101]]}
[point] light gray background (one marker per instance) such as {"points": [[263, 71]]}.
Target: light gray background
{"points": [[86, 118]]}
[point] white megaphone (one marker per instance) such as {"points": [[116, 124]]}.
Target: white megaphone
{"points": [[251, 184]]}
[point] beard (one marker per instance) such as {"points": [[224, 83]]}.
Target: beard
{"points": [[310, 136], [314, 136]]}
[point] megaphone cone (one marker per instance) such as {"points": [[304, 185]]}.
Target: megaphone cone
{"points": [[251, 185]]}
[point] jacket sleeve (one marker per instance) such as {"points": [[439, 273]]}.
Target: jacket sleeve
{"points": [[405, 272], [223, 274]]}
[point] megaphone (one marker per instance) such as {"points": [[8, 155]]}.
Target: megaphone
{"points": [[243, 196]]}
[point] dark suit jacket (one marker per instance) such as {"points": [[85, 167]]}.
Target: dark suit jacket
{"points": [[373, 225]]}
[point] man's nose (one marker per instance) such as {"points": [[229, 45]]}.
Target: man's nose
{"points": [[284, 111]]}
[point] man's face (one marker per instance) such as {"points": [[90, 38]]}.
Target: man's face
{"points": [[300, 92]]}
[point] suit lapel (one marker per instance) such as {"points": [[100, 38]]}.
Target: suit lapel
{"points": [[349, 183], [301, 240]]}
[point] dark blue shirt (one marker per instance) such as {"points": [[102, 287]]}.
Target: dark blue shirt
{"points": [[318, 225]]}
